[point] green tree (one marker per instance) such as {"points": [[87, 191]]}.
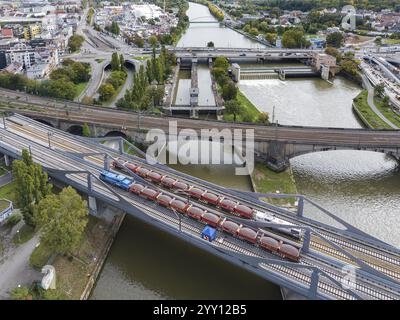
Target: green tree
{"points": [[153, 41], [75, 42], [20, 293], [334, 53], [233, 107], [122, 61], [106, 91], [334, 39], [263, 117], [221, 62], [379, 90], [115, 63], [32, 185], [294, 38], [138, 41], [210, 44], [229, 91], [385, 102], [62, 219], [86, 130]]}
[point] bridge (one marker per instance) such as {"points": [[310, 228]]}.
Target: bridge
{"points": [[326, 253], [274, 145], [260, 54]]}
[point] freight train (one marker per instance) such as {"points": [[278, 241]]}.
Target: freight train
{"points": [[270, 242], [229, 205]]}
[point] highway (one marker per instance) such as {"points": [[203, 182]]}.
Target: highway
{"points": [[123, 120], [22, 133]]}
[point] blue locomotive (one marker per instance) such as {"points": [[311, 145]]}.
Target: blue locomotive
{"points": [[116, 179]]}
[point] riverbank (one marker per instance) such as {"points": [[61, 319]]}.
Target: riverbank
{"points": [[264, 180], [76, 274], [369, 118]]}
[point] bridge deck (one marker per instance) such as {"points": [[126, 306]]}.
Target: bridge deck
{"points": [[64, 154]]}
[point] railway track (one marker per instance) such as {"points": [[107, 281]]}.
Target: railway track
{"points": [[367, 252], [224, 242]]}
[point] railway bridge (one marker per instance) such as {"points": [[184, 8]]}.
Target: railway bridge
{"points": [[327, 254], [275, 145]]}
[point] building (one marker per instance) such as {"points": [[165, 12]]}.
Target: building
{"points": [[323, 61], [31, 31], [317, 43], [4, 214]]}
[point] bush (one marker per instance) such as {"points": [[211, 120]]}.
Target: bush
{"points": [[39, 257], [13, 219], [21, 293]]}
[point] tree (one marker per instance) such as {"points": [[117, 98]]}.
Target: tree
{"points": [[21, 293], [62, 219], [106, 91], [75, 42], [334, 53], [233, 107], [138, 41], [221, 62], [115, 63], [86, 130], [263, 117], [379, 90], [210, 44], [32, 185], [229, 91], [153, 41], [334, 39], [122, 61], [385, 102], [294, 38]]}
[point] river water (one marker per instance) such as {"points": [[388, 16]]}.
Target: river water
{"points": [[361, 187]]}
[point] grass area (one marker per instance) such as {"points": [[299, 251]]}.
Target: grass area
{"points": [[25, 234], [267, 181], [141, 58], [80, 87], [129, 151], [392, 116], [74, 272], [249, 111], [367, 115], [8, 191], [391, 41], [39, 257]]}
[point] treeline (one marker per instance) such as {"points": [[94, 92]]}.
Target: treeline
{"points": [[183, 21], [308, 5], [62, 83], [148, 84], [214, 10]]}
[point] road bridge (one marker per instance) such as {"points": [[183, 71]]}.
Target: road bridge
{"points": [[274, 145], [327, 253]]}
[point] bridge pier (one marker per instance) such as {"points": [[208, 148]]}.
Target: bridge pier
{"points": [[7, 160], [276, 158]]}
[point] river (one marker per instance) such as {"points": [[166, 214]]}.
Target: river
{"points": [[361, 187]]}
